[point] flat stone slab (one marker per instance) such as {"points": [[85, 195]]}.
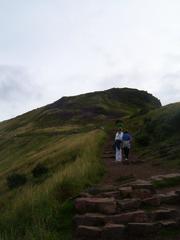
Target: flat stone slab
{"points": [[142, 229], [113, 232], [124, 218], [165, 176], [142, 193], [90, 219], [170, 198], [171, 176], [139, 184], [157, 178], [129, 204], [98, 205], [171, 224], [125, 191], [102, 189], [87, 232], [163, 214], [114, 194], [152, 201]]}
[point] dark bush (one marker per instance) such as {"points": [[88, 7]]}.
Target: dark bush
{"points": [[39, 170], [143, 140], [16, 180]]}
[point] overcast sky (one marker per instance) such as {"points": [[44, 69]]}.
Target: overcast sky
{"points": [[52, 48]]}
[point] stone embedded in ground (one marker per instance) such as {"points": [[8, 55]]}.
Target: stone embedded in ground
{"points": [[157, 178], [169, 198], [177, 192], [113, 232], [171, 224], [152, 201], [142, 229], [129, 204], [142, 184], [125, 191], [142, 193], [87, 232], [171, 175], [136, 216], [98, 205], [102, 189], [114, 194], [85, 195], [163, 214], [90, 219]]}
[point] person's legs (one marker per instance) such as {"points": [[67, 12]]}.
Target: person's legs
{"points": [[118, 154], [126, 152]]}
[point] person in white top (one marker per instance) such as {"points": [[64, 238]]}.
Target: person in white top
{"points": [[118, 142]]}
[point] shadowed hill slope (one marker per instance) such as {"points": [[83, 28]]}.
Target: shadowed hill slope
{"points": [[157, 134]]}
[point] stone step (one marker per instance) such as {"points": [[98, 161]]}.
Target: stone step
{"points": [[142, 193], [129, 204], [139, 216], [142, 229], [164, 214], [95, 205], [124, 218], [126, 192], [153, 201], [103, 189], [169, 224], [142, 184], [151, 228], [113, 232], [170, 198], [88, 233], [162, 177], [90, 219], [108, 152], [114, 194]]}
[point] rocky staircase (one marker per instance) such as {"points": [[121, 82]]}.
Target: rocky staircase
{"points": [[126, 211], [134, 211]]}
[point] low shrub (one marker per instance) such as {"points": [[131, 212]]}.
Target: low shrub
{"points": [[39, 170], [16, 180], [143, 140]]}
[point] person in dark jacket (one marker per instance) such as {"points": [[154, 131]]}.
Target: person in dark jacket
{"points": [[126, 139]]}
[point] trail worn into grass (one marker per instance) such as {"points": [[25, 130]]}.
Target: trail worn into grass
{"points": [[119, 172]]}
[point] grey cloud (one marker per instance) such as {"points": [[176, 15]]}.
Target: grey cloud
{"points": [[15, 84], [18, 91], [169, 89]]}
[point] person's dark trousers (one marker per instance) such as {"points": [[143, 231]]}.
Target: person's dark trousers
{"points": [[126, 152]]}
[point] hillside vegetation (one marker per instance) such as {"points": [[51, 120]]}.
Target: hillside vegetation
{"points": [[157, 135], [65, 138]]}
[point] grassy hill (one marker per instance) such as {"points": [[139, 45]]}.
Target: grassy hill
{"points": [[65, 138], [157, 135]]}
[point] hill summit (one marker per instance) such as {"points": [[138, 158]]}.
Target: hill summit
{"points": [[90, 107]]}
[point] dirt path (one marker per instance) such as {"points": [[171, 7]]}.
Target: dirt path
{"points": [[117, 173]]}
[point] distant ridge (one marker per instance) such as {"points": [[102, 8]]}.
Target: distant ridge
{"points": [[95, 106]]}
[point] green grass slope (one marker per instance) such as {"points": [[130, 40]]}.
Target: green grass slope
{"points": [[157, 135], [66, 137]]}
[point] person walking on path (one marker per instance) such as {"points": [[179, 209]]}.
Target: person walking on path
{"points": [[126, 139], [118, 145]]}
